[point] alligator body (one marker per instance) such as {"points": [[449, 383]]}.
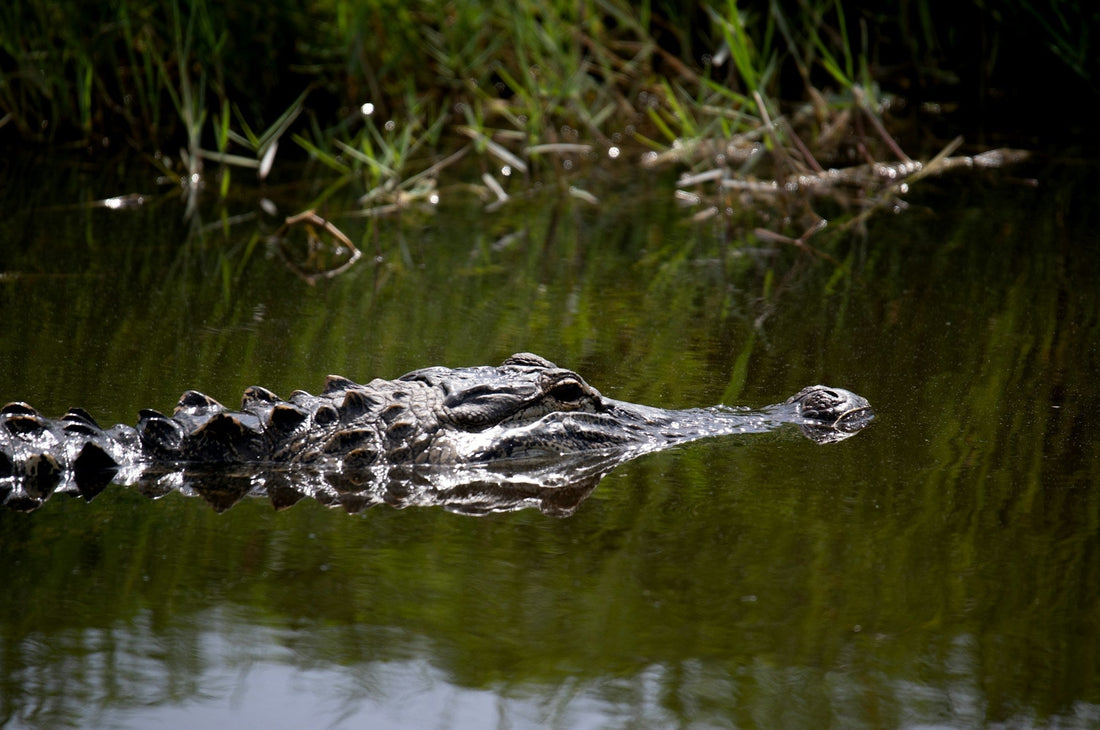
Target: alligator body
{"points": [[433, 431]]}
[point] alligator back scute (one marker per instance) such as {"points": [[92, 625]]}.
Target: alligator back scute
{"points": [[226, 437], [286, 417], [25, 426], [360, 458], [276, 418], [7, 462], [78, 420], [159, 435], [256, 396], [325, 415], [194, 409], [125, 438], [23, 421], [338, 383], [357, 402], [26, 440], [40, 475], [79, 428], [394, 412], [93, 459], [350, 439], [194, 402], [301, 398], [18, 408]]}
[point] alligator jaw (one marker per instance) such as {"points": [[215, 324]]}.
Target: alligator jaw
{"points": [[838, 414], [824, 415]]}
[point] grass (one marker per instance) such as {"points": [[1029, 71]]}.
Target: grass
{"points": [[754, 101]]}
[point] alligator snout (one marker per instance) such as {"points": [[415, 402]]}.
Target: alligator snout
{"points": [[853, 421]]}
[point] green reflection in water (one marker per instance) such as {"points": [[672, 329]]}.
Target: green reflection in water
{"points": [[940, 567]]}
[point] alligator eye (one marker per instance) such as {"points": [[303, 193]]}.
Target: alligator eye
{"points": [[567, 391]]}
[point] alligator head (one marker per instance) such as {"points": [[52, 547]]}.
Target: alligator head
{"points": [[530, 408]]}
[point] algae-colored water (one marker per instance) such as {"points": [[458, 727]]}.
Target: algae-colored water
{"points": [[939, 569]]}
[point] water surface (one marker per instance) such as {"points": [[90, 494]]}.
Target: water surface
{"points": [[938, 569]]}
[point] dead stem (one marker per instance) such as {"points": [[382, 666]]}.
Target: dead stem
{"points": [[314, 245], [861, 100], [801, 241], [779, 149]]}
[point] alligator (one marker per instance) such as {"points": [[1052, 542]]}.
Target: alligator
{"points": [[473, 439]]}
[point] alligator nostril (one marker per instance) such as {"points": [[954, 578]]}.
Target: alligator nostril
{"points": [[856, 418]]}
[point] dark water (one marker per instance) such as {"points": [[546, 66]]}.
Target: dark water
{"points": [[940, 569]]}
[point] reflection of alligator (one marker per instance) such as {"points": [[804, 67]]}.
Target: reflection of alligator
{"points": [[474, 439]]}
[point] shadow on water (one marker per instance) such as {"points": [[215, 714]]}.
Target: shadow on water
{"points": [[939, 569]]}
